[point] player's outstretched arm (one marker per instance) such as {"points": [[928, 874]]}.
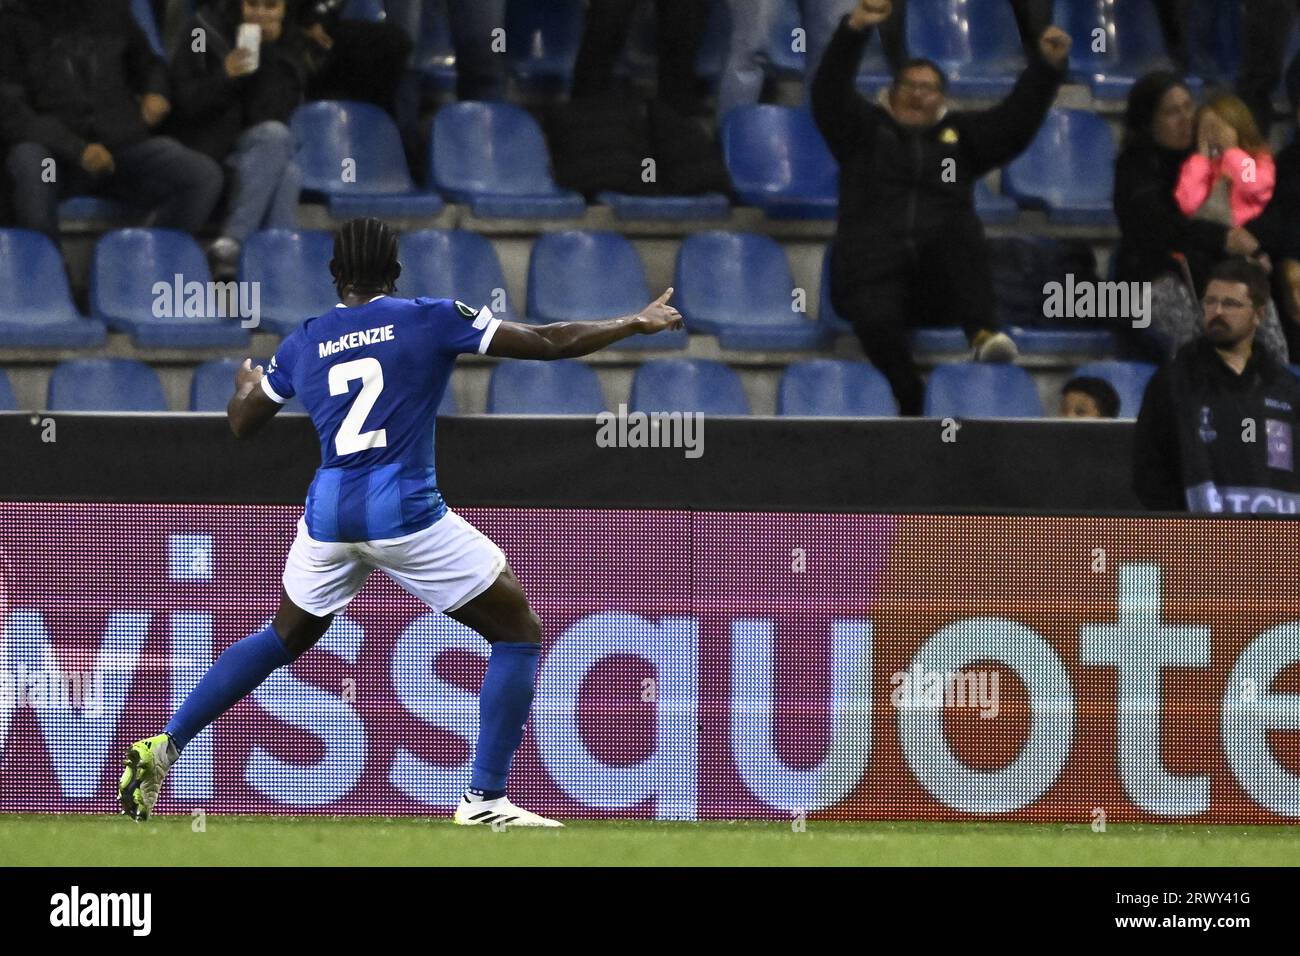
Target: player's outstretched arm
{"points": [[249, 408], [571, 339]]}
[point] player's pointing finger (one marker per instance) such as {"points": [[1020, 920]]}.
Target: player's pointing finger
{"points": [[665, 297]]}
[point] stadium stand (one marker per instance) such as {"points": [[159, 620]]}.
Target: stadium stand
{"points": [[1134, 44], [36, 307], [975, 42], [565, 387], [213, 383], [578, 275], [981, 390], [124, 302], [738, 287], [493, 157], [352, 159], [1068, 170], [687, 385], [834, 387], [1129, 379], [7, 401], [779, 162], [291, 270], [454, 264], [105, 385]]}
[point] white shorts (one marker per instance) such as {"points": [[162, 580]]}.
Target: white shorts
{"points": [[444, 565]]}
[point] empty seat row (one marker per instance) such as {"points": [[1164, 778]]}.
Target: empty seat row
{"points": [[736, 286], [820, 387]]}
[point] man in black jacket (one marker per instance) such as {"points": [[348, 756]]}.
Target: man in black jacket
{"points": [[1217, 428], [908, 243], [96, 92]]}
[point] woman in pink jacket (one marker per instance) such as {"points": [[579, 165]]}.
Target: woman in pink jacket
{"points": [[1230, 177]]}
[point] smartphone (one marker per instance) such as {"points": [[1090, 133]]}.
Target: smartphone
{"points": [[250, 39]]}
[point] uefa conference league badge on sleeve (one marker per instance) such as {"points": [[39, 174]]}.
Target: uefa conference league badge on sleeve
{"points": [[481, 316]]}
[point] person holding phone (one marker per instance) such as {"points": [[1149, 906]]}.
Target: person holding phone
{"points": [[234, 94]]}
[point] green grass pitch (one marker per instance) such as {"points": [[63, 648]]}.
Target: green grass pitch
{"points": [[89, 840]]}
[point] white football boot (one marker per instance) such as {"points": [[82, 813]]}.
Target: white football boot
{"points": [[498, 813]]}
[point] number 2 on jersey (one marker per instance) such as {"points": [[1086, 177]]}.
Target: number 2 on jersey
{"points": [[350, 438]]}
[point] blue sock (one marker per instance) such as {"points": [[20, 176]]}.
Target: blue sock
{"points": [[503, 710], [232, 676]]}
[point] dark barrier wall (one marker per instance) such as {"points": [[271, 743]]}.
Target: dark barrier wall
{"points": [[769, 464]]}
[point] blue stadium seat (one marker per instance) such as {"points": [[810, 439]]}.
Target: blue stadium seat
{"points": [[542, 41], [1129, 379], [142, 13], [1134, 43], [1069, 169], [779, 162], [341, 137], [292, 270], [8, 403], [994, 209], [835, 387], [434, 56], [578, 276], [454, 264], [493, 157], [687, 385], [124, 270], [738, 287], [976, 42], [1076, 340], [565, 387], [214, 382], [36, 309], [97, 213], [105, 385], [981, 390]]}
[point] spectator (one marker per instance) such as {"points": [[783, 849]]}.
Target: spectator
{"points": [[353, 59], [1216, 432], [234, 106], [96, 92], [1265, 29], [1229, 178], [679, 25], [908, 243], [1158, 243], [752, 22], [1088, 397], [1035, 16]]}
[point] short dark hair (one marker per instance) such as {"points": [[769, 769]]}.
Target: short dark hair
{"points": [[928, 64], [1252, 276], [1099, 390], [365, 257]]}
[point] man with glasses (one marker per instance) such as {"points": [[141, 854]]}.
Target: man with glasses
{"points": [[909, 249], [1216, 432]]}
